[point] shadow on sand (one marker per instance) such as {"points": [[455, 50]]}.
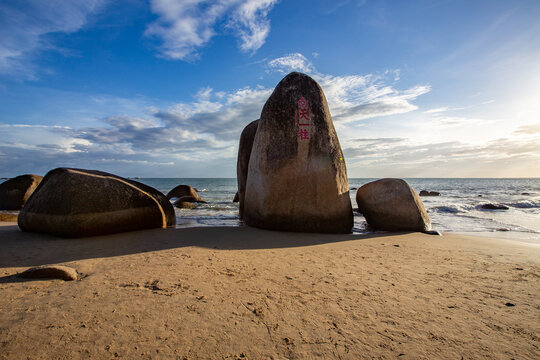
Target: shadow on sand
{"points": [[31, 249]]}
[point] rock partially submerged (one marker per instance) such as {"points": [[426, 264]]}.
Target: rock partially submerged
{"points": [[79, 203], [490, 206], [15, 192], [183, 190], [297, 179], [429, 193], [244, 153], [50, 272], [188, 202], [391, 204]]}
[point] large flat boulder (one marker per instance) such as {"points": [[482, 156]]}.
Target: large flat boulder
{"points": [[244, 153], [391, 204], [78, 203], [297, 179], [15, 192]]}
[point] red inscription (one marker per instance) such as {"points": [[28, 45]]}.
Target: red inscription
{"points": [[304, 118]]}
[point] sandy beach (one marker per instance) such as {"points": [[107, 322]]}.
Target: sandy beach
{"points": [[240, 292]]}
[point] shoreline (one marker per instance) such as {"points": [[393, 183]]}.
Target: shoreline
{"points": [[240, 292]]}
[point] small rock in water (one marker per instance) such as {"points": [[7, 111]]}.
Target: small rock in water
{"points": [[50, 272], [503, 229], [495, 207], [429, 193], [525, 193], [433, 232]]}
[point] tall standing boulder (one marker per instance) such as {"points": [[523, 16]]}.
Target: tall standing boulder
{"points": [[244, 153], [391, 204], [15, 192], [78, 203], [297, 179]]}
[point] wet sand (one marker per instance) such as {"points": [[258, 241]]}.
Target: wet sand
{"points": [[236, 293]]}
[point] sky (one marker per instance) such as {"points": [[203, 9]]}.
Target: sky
{"points": [[163, 88]]}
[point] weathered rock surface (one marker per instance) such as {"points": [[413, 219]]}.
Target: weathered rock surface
{"points": [[188, 202], [50, 272], [494, 207], [391, 204], [244, 153], [78, 203], [15, 192], [183, 190], [429, 193], [297, 179]]}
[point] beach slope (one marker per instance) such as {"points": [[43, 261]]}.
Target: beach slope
{"points": [[240, 292]]}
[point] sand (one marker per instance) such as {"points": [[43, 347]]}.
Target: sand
{"points": [[237, 293]]}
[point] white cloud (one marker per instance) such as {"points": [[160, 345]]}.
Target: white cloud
{"points": [[25, 24], [291, 62], [249, 19], [186, 26]]}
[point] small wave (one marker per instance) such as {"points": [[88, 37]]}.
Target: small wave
{"points": [[452, 209], [527, 204]]}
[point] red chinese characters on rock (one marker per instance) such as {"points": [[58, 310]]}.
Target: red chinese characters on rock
{"points": [[303, 115]]}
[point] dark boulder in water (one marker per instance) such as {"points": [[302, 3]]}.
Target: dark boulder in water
{"points": [[242, 164], [15, 192], [188, 202], [494, 207], [429, 193], [391, 204], [79, 203], [183, 190], [297, 179]]}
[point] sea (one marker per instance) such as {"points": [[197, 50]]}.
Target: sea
{"points": [[458, 209]]}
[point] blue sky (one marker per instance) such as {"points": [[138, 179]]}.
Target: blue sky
{"points": [[163, 88]]}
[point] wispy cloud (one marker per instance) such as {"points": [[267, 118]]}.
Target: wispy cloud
{"points": [[355, 97], [528, 129], [24, 26], [186, 26], [391, 156]]}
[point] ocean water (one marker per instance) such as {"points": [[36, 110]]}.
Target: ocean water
{"points": [[458, 209]]}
